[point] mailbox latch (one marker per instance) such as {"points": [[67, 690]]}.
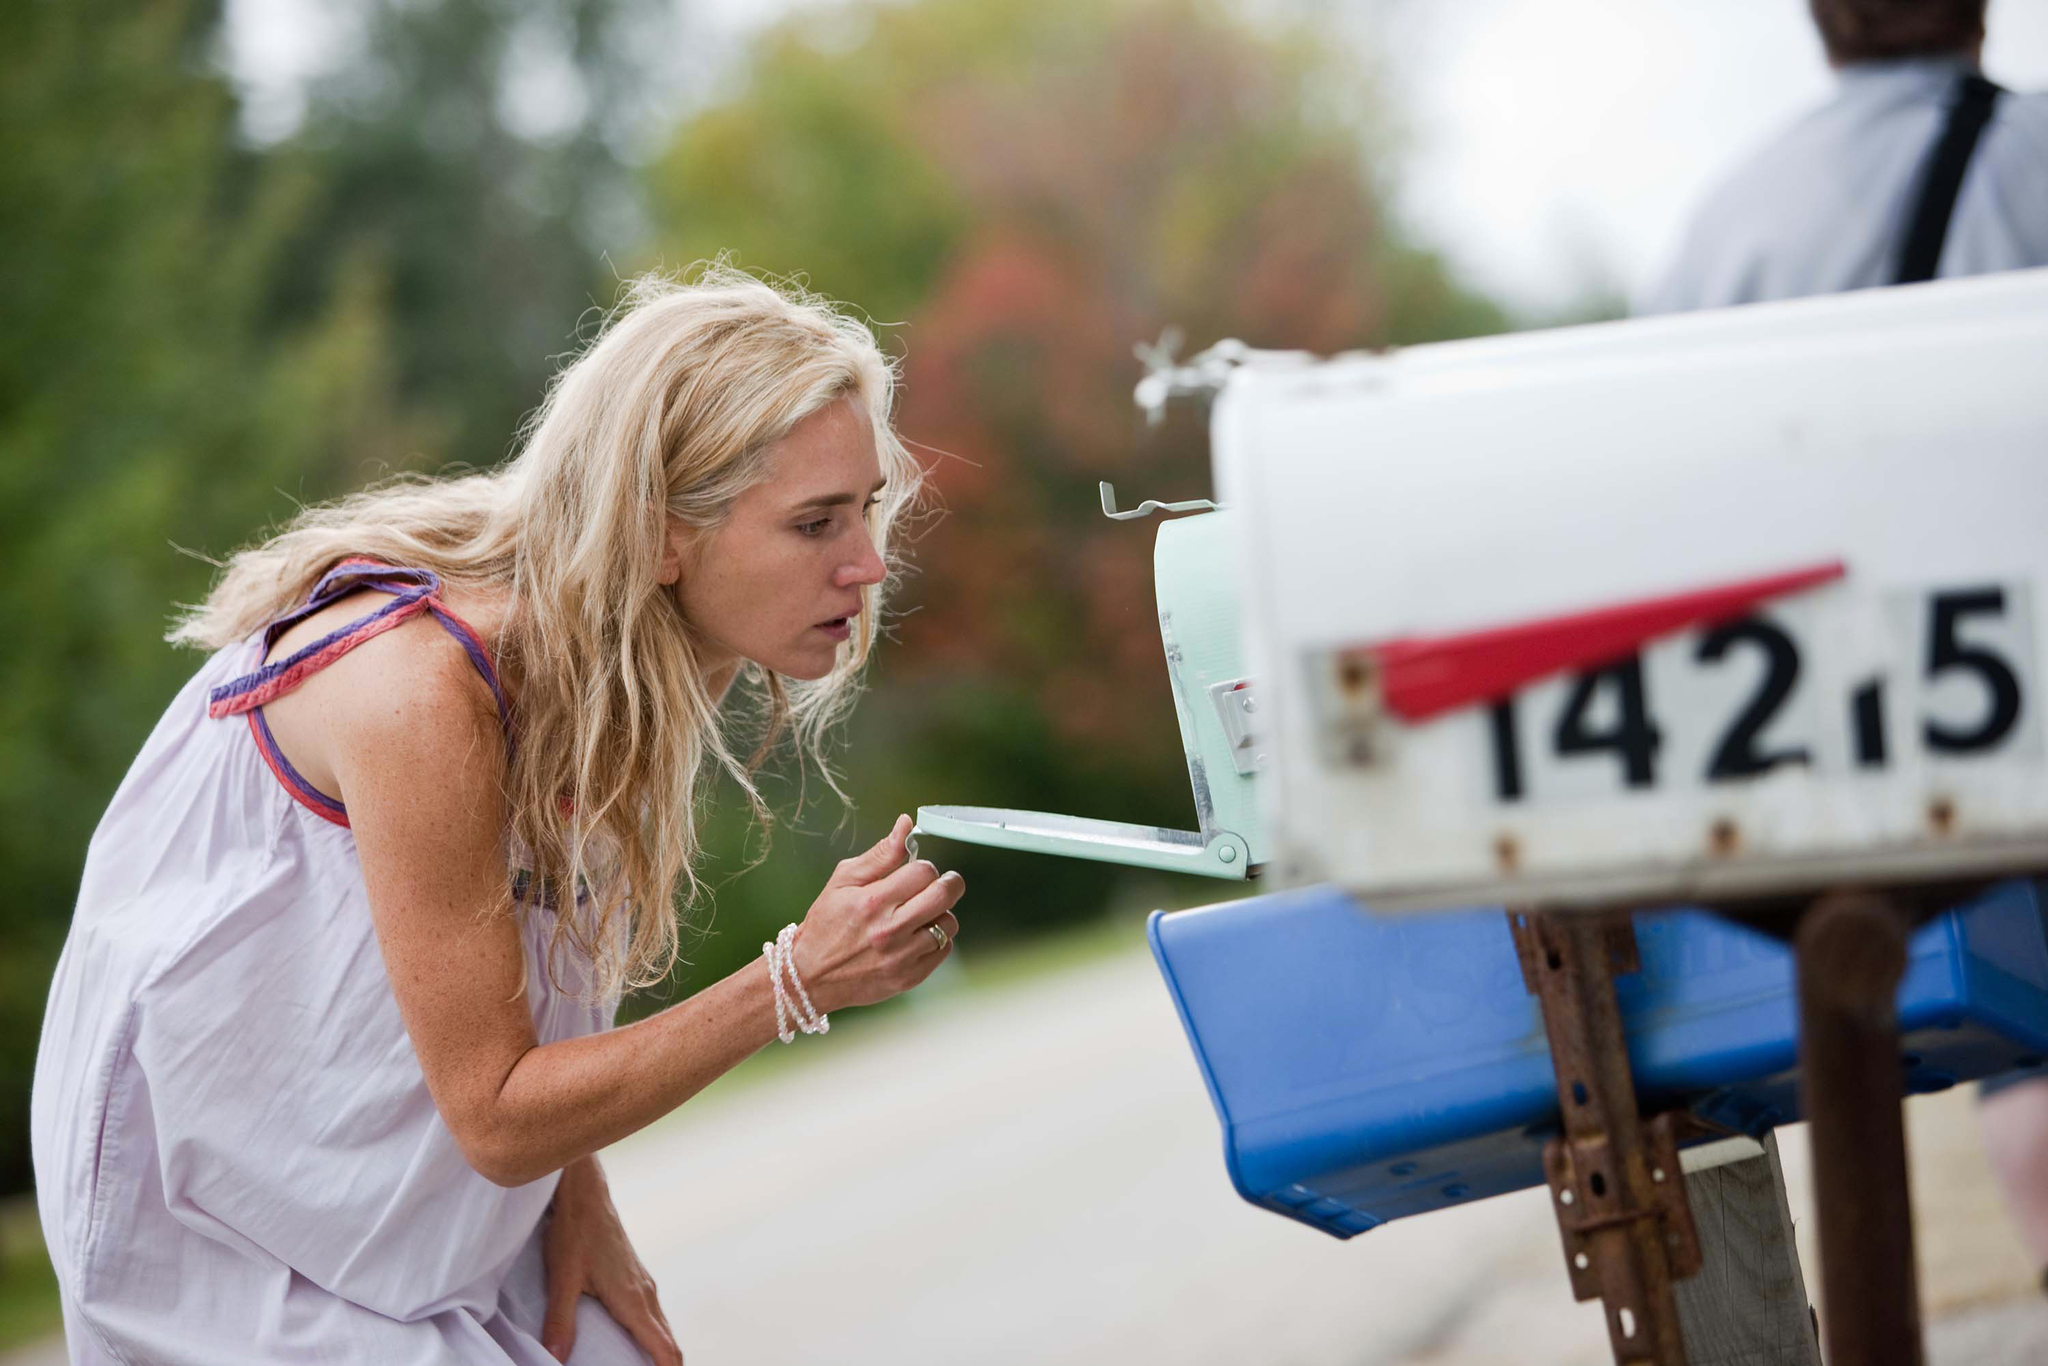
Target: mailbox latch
{"points": [[1237, 707]]}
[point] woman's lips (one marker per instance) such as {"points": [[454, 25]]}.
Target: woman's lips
{"points": [[839, 628]]}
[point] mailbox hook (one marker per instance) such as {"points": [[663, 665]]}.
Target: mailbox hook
{"points": [[1149, 506]]}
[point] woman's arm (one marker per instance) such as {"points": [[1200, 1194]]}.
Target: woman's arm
{"points": [[421, 771]]}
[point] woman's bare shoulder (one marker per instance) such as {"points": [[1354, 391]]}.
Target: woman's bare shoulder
{"points": [[411, 691]]}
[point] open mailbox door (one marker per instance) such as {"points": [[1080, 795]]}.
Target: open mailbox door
{"points": [[1709, 607], [1195, 564]]}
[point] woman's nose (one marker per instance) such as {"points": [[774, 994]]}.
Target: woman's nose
{"points": [[864, 570]]}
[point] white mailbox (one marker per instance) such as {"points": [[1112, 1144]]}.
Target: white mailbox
{"points": [[1729, 604]]}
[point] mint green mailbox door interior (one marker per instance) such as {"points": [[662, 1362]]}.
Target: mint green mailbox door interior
{"points": [[1194, 566]]}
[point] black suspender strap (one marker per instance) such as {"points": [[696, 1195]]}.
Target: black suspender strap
{"points": [[1935, 202]]}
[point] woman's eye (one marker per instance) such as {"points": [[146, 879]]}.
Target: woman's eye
{"points": [[819, 527]]}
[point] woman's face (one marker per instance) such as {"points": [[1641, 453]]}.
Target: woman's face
{"points": [[779, 582]]}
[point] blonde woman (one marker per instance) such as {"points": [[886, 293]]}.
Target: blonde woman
{"points": [[327, 1056]]}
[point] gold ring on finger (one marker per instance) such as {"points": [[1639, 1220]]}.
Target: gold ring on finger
{"points": [[939, 935]]}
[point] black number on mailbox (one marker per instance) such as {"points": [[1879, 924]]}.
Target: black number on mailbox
{"points": [[1737, 756], [1507, 749], [1945, 652], [1866, 715], [1633, 736]]}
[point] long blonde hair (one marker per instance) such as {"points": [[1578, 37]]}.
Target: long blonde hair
{"points": [[668, 410]]}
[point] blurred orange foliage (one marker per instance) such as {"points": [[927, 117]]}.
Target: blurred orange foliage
{"points": [[1037, 185]]}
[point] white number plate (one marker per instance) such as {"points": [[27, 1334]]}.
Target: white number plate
{"points": [[1835, 684]]}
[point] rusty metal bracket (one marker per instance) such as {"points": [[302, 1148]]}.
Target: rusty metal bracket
{"points": [[1614, 1179]]}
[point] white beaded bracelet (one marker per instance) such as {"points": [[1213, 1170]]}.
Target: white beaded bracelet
{"points": [[781, 956], [782, 1029], [808, 1018]]}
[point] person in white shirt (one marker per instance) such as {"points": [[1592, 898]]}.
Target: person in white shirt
{"points": [[1917, 168], [1833, 202]]}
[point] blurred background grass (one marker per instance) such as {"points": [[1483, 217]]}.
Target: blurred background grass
{"points": [[210, 321]]}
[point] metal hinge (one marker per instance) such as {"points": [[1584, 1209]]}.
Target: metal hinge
{"points": [[1204, 374]]}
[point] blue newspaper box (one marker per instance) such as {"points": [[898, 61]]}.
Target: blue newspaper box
{"points": [[1367, 1067]]}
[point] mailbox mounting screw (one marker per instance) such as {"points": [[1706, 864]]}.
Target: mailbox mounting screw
{"points": [[1941, 814], [1724, 837]]}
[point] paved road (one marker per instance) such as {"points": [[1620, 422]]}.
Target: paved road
{"points": [[1033, 1174]]}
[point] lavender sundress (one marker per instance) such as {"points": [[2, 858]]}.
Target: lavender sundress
{"points": [[236, 1156]]}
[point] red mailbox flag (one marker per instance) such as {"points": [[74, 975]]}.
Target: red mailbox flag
{"points": [[1425, 676]]}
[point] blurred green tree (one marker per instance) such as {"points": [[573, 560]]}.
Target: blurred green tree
{"points": [[478, 149], [204, 331], [1028, 187], [147, 395]]}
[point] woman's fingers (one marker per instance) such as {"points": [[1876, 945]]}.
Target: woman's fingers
{"points": [[901, 885], [558, 1327], [876, 862], [642, 1318], [856, 941], [929, 904]]}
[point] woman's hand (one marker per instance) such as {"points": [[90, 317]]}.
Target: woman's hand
{"points": [[586, 1253], [864, 939]]}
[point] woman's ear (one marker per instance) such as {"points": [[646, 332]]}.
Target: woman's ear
{"points": [[675, 539]]}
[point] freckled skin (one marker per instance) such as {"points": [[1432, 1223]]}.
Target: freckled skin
{"points": [[759, 584], [408, 703]]}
